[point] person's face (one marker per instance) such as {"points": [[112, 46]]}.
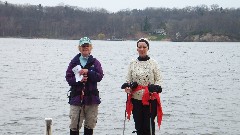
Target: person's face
{"points": [[142, 49], [85, 49]]}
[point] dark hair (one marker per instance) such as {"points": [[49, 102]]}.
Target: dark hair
{"points": [[143, 40]]}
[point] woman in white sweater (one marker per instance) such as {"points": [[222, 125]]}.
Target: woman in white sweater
{"points": [[143, 87]]}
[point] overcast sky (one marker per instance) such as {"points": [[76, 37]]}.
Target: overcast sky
{"points": [[116, 5]]}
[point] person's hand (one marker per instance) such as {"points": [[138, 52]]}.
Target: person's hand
{"points": [[154, 88], [132, 85], [128, 90], [151, 88], [83, 71], [125, 85], [84, 79]]}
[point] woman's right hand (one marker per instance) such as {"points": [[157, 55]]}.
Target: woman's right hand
{"points": [[83, 72], [128, 90]]}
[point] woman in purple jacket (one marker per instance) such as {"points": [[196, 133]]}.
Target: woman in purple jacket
{"points": [[82, 75]]}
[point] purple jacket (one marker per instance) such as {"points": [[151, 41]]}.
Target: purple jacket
{"points": [[95, 75]]}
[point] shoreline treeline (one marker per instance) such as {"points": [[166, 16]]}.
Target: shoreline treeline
{"points": [[200, 23]]}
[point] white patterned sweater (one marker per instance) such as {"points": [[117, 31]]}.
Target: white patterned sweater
{"points": [[144, 73]]}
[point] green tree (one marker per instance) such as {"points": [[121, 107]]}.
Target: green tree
{"points": [[147, 25], [101, 36]]}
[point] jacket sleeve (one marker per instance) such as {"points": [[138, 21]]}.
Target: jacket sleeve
{"points": [[129, 73], [97, 74], [157, 74], [70, 76]]}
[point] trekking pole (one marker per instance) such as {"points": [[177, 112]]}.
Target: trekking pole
{"points": [[81, 98], [150, 105], [79, 115], [125, 116]]}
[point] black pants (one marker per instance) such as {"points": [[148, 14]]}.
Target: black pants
{"points": [[141, 116]]}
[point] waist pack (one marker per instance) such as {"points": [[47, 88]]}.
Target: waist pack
{"points": [[93, 92], [73, 92]]}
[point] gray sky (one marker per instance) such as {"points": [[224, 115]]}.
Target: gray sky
{"points": [[116, 5]]}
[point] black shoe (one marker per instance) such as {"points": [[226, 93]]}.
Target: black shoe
{"points": [[88, 131], [74, 132]]}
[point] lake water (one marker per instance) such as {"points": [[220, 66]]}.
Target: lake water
{"points": [[201, 86]]}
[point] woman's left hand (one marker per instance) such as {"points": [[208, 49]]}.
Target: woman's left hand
{"points": [[84, 79]]}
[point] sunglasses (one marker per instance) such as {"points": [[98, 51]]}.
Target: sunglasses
{"points": [[85, 45], [142, 39]]}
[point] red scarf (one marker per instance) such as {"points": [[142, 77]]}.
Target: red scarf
{"points": [[145, 101]]}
